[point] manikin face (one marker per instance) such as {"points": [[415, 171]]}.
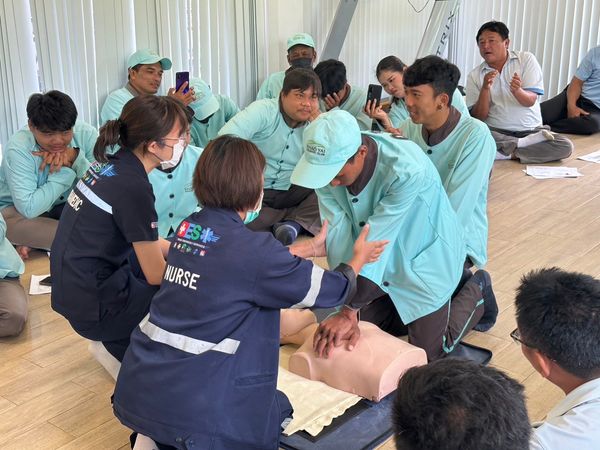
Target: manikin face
{"points": [[147, 78], [391, 81], [422, 103], [492, 48], [351, 170], [51, 141], [299, 105]]}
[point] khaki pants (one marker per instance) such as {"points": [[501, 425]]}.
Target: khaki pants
{"points": [[35, 233], [13, 307]]}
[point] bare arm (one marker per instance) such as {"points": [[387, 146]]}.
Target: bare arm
{"points": [[573, 94], [481, 108], [525, 98], [151, 259]]}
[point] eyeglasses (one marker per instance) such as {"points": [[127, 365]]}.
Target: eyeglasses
{"points": [[180, 140], [516, 336]]}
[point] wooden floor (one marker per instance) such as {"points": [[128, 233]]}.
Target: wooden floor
{"points": [[53, 395]]}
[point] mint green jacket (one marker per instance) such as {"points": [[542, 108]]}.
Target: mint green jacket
{"points": [[262, 123], [464, 161], [34, 192], [405, 203]]}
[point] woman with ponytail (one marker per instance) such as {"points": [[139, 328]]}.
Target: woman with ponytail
{"points": [[107, 260]]}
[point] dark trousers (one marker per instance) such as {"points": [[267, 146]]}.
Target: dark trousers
{"points": [[554, 114], [297, 203], [438, 332]]}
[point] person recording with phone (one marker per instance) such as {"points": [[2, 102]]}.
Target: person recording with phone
{"points": [[144, 76], [390, 73], [107, 260], [337, 92]]}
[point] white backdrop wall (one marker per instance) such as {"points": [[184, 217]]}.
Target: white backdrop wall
{"points": [[81, 46]]}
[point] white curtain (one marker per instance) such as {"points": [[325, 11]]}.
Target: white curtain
{"points": [[558, 32], [81, 47]]}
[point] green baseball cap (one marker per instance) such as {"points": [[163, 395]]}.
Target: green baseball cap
{"points": [[147, 56], [300, 39], [328, 143], [206, 103]]}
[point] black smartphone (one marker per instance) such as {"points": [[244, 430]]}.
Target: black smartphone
{"points": [[374, 93], [46, 281], [182, 77]]}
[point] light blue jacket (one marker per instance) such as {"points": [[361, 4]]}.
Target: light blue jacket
{"points": [[464, 161], [354, 104], [202, 133], [174, 193], [271, 87], [34, 192], [262, 123], [113, 105], [405, 203], [11, 264]]}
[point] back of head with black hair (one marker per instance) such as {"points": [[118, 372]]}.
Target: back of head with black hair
{"points": [[443, 76], [495, 27], [392, 63], [52, 111], [558, 313], [454, 404], [301, 79], [332, 74]]}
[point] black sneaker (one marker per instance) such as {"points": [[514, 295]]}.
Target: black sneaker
{"points": [[286, 234], [490, 306]]}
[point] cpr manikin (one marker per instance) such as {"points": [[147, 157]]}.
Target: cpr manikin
{"points": [[371, 369]]}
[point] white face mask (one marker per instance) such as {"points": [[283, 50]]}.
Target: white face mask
{"points": [[177, 153]]}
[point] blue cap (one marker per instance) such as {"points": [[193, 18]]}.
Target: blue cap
{"points": [[328, 143], [147, 56], [206, 103], [300, 39]]}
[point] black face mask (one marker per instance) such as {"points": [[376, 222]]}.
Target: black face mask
{"points": [[303, 63]]}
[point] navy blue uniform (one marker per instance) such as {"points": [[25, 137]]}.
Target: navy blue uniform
{"points": [[201, 370], [93, 282]]}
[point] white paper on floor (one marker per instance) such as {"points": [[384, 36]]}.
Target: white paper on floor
{"points": [[35, 288], [545, 172], [592, 157]]}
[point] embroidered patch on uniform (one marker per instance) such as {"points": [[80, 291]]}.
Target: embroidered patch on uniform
{"points": [[315, 148], [98, 170], [189, 188], [191, 235]]}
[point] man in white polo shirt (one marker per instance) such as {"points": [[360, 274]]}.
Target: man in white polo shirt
{"points": [[503, 92]]}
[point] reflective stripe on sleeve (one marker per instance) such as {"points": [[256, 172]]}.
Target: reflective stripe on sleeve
{"points": [[316, 277], [186, 343], [92, 197]]}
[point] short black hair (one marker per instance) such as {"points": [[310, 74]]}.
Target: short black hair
{"points": [[52, 111], [558, 313], [332, 74], [454, 404], [495, 27], [443, 76], [300, 78]]}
